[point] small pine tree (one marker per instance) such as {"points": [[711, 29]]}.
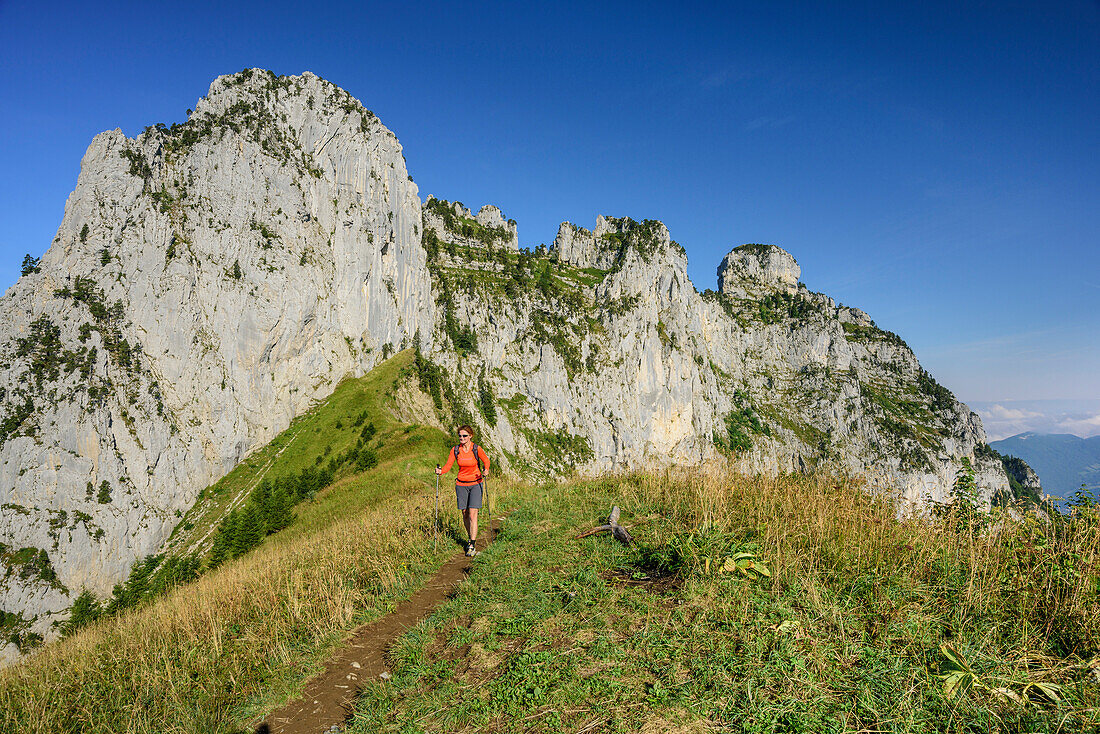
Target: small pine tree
{"points": [[237, 270], [367, 459], [136, 587], [231, 523], [307, 483], [30, 265], [104, 495], [279, 515], [174, 571], [261, 497], [486, 402], [85, 610], [84, 234], [115, 603], [251, 530], [221, 549]]}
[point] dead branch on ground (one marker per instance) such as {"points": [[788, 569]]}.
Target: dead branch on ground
{"points": [[618, 531]]}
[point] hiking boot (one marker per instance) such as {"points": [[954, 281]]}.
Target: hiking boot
{"points": [[470, 549]]}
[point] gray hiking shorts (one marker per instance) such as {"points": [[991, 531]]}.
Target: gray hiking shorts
{"points": [[469, 495]]}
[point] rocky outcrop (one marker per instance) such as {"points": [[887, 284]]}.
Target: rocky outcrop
{"points": [[454, 224], [597, 248], [763, 372], [1022, 478], [210, 281], [751, 271], [207, 284]]}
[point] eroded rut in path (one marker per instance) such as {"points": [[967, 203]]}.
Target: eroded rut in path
{"points": [[329, 698]]}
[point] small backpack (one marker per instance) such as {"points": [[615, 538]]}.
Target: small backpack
{"points": [[477, 457]]}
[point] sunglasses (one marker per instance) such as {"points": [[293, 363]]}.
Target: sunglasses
{"points": [[463, 435]]}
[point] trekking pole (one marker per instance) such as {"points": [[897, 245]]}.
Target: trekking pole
{"points": [[488, 508], [435, 525]]}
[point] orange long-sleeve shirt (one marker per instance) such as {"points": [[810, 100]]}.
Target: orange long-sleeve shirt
{"points": [[467, 464]]}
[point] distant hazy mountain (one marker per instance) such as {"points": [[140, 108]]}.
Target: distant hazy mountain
{"points": [[1004, 418], [1063, 462]]}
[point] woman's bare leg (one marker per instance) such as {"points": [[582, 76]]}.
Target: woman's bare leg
{"points": [[469, 519]]}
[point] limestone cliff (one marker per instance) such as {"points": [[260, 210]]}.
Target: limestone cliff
{"points": [[602, 354], [207, 283], [211, 280]]}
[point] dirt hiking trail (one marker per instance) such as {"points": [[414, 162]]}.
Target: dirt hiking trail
{"points": [[329, 698]]}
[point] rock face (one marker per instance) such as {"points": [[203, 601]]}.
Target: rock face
{"points": [[207, 284], [585, 249], [753, 270], [210, 281], [455, 224], [630, 365]]}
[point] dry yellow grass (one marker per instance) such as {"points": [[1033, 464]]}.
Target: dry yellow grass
{"points": [[1039, 573], [237, 639], [219, 652]]}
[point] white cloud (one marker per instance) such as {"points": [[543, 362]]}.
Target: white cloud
{"points": [[1006, 418], [1083, 427], [999, 412]]}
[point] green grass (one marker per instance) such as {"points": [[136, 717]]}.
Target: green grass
{"points": [[809, 435], [555, 634]]}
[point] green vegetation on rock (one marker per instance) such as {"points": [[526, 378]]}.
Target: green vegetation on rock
{"points": [[741, 424], [15, 629], [466, 227], [30, 265], [773, 308], [555, 451], [861, 333], [29, 563]]}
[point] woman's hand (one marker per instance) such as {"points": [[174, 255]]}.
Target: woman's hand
{"points": [[438, 470]]}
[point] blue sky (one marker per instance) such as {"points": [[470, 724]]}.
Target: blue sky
{"points": [[936, 165]]}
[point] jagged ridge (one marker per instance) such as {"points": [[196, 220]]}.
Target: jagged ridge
{"points": [[211, 280]]}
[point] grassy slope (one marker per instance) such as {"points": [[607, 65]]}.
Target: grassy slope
{"points": [[554, 634], [325, 431], [245, 636]]}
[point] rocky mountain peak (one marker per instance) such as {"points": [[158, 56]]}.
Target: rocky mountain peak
{"points": [[451, 223], [614, 241], [209, 281], [306, 94], [754, 270]]}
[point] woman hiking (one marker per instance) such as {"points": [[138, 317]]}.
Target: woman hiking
{"points": [[473, 466]]}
